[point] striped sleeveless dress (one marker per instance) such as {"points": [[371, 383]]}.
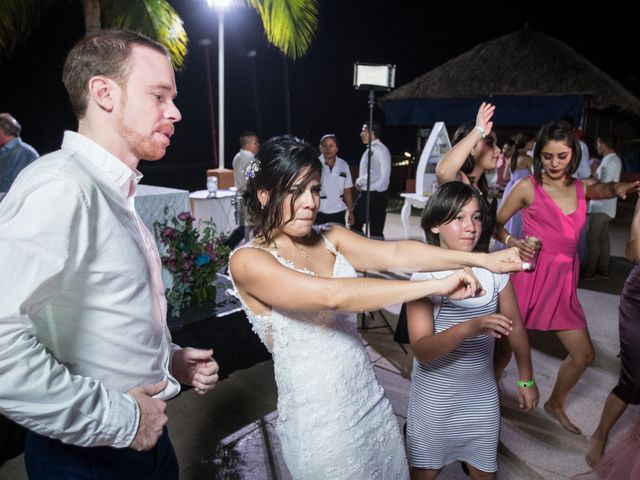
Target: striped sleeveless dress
{"points": [[454, 411]]}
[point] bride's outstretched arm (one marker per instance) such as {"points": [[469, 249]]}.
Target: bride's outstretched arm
{"points": [[264, 283], [412, 256]]}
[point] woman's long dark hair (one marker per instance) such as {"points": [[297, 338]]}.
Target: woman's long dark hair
{"points": [[560, 131], [444, 205], [279, 162], [470, 162]]}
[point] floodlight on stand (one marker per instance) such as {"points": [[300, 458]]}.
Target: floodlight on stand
{"points": [[369, 76]]}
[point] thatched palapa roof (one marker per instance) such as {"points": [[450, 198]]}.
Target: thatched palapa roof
{"points": [[525, 62]]}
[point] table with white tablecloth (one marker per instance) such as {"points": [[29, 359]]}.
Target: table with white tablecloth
{"points": [[151, 202], [220, 209]]}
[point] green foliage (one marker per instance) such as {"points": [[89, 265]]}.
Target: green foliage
{"points": [[289, 24], [192, 256], [154, 18]]}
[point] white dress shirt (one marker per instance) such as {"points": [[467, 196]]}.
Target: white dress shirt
{"points": [[380, 168], [83, 313], [609, 171], [584, 167], [334, 181], [242, 159]]}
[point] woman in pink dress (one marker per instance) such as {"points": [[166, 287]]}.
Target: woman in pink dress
{"points": [[554, 208]]}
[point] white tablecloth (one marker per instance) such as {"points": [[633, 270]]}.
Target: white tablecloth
{"points": [[220, 209], [151, 202]]}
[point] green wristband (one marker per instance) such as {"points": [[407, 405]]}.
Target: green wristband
{"points": [[527, 383]]}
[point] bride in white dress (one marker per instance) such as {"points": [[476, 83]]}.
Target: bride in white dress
{"points": [[299, 287]]}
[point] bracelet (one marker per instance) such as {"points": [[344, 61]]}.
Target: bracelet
{"points": [[506, 240], [526, 383], [480, 129]]}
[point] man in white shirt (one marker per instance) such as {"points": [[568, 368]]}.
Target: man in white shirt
{"points": [[249, 146], [378, 184], [602, 211], [336, 200], [85, 350]]}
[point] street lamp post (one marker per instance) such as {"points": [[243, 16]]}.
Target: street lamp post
{"points": [[225, 177], [206, 43]]}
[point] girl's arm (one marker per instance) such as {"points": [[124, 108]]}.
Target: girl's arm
{"points": [[520, 196], [601, 191], [265, 283], [427, 345], [508, 306], [448, 168], [412, 256], [633, 244]]}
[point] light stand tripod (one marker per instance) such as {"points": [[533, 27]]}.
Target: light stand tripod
{"points": [[373, 77]]}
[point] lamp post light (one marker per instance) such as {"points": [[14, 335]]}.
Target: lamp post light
{"points": [[220, 6], [251, 55], [225, 176], [206, 43]]}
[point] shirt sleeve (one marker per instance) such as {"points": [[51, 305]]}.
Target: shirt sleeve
{"points": [[501, 280], [348, 183], [40, 247]]}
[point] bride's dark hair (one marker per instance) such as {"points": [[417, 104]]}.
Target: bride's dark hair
{"points": [[277, 165]]}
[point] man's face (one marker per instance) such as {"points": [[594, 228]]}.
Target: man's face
{"points": [[252, 145], [364, 134], [146, 111], [329, 148]]}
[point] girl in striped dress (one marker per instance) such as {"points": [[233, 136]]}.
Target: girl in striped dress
{"points": [[454, 411]]}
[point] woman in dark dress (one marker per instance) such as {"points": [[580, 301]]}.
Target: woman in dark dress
{"points": [[627, 391]]}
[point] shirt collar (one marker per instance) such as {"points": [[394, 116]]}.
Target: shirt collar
{"points": [[10, 144], [115, 171]]}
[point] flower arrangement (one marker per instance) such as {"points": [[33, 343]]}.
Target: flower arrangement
{"points": [[192, 256]]}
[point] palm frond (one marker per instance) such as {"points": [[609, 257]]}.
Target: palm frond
{"points": [[17, 19], [290, 25], [153, 18]]}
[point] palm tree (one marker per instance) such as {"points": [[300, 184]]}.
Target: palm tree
{"points": [[289, 24]]}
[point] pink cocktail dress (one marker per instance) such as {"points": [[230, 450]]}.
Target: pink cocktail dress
{"points": [[547, 295]]}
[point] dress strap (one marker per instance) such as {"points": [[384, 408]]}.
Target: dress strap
{"points": [[330, 246]]}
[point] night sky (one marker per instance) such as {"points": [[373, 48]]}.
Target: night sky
{"points": [[415, 36]]}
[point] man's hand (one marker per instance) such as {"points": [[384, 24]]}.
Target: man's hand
{"points": [[191, 366], [152, 415]]}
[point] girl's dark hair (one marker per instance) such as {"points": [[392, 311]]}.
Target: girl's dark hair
{"points": [[281, 160], [513, 162], [470, 163], [444, 205], [559, 131]]}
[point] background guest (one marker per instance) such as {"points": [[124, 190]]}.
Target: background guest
{"points": [[336, 195], [14, 153], [378, 184]]}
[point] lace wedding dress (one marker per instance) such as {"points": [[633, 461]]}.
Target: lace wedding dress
{"points": [[334, 421]]}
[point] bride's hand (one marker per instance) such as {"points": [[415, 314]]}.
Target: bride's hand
{"points": [[459, 285], [503, 261]]}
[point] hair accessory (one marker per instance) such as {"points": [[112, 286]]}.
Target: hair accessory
{"points": [[251, 169], [526, 383]]}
